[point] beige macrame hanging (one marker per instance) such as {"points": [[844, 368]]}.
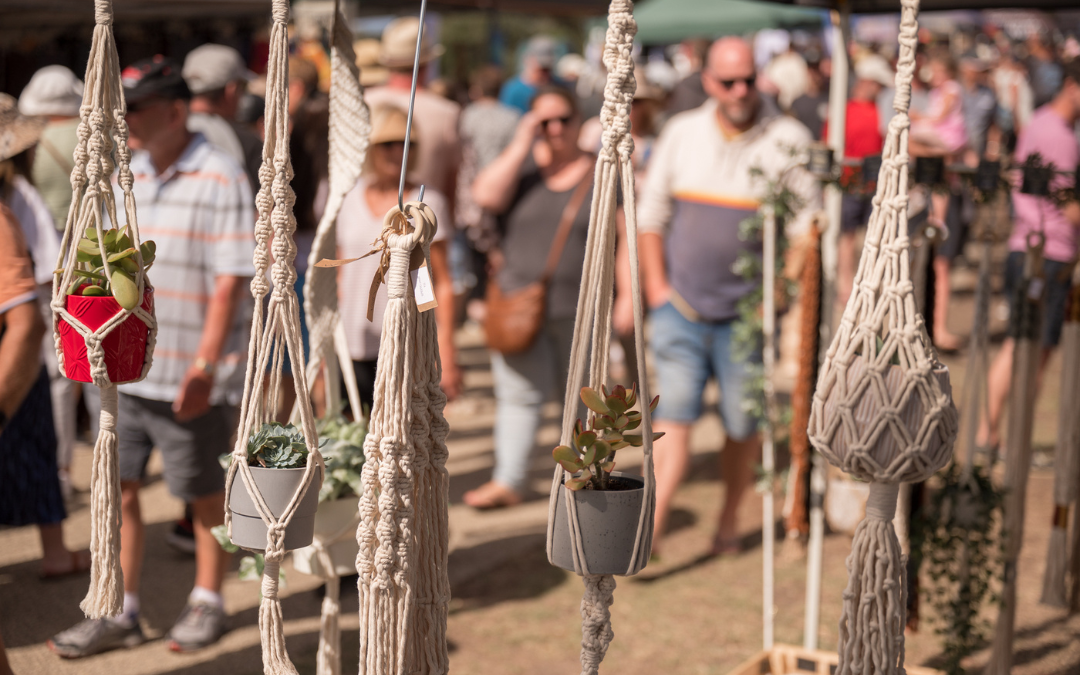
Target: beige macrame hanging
{"points": [[102, 133], [275, 331], [404, 521], [592, 329], [883, 407], [350, 129]]}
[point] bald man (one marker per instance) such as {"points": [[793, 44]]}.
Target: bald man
{"points": [[700, 189]]}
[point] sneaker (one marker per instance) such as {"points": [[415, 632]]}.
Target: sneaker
{"points": [[182, 537], [93, 636], [199, 625]]}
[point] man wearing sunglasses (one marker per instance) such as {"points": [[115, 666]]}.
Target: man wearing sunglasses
{"points": [[702, 184]]}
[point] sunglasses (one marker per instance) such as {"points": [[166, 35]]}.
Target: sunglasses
{"points": [[729, 84], [561, 120]]}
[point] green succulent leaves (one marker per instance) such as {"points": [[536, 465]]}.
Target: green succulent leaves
{"points": [[278, 447], [119, 280], [592, 458]]}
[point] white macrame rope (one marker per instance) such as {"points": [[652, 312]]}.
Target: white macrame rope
{"points": [[272, 336], [403, 535], [592, 330], [102, 132], [350, 129], [884, 414], [328, 657]]}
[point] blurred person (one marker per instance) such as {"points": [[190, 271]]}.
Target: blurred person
{"points": [[789, 73], [537, 64], [979, 105], [862, 138], [195, 203], [700, 189], [941, 132], [360, 223], [32, 493], [689, 93], [1051, 135], [56, 94], [217, 78], [532, 186], [438, 151], [812, 106], [1014, 96], [1046, 72]]}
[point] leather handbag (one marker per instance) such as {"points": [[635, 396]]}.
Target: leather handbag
{"points": [[514, 319]]}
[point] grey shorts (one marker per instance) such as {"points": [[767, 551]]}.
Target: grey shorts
{"points": [[189, 450]]}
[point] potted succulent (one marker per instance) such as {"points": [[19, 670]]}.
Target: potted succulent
{"points": [[277, 457], [336, 516], [608, 502], [97, 294]]}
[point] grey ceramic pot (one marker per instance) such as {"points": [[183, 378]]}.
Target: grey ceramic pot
{"points": [[277, 487], [609, 522]]}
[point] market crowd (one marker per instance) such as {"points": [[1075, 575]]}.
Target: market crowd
{"points": [[506, 162]]}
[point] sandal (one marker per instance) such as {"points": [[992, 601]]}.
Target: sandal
{"points": [[491, 495], [78, 563]]}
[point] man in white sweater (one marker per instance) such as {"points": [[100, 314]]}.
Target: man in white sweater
{"points": [[701, 187]]}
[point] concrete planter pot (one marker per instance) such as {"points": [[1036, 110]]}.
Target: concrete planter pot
{"points": [[277, 487], [609, 521], [331, 520]]}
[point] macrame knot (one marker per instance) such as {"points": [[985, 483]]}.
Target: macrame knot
{"points": [[281, 11], [271, 572], [103, 12], [275, 543]]}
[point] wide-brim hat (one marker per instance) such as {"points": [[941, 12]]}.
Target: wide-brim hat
{"points": [[53, 90], [388, 124], [17, 131], [367, 53], [398, 46]]}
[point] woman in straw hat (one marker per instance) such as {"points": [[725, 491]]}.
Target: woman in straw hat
{"points": [[28, 472], [360, 223]]}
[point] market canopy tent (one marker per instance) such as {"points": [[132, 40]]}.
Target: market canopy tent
{"points": [[666, 21], [876, 6], [58, 12]]}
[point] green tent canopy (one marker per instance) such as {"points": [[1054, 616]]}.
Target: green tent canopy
{"points": [[667, 21]]}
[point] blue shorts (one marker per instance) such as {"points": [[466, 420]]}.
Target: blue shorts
{"points": [[687, 353]]}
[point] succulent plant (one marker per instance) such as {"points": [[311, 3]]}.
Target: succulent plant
{"points": [[592, 457], [279, 447], [119, 280]]}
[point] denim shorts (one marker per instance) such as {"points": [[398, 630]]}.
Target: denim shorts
{"points": [[1058, 283], [687, 353]]}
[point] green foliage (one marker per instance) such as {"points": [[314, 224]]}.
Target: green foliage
{"points": [[592, 456], [117, 248], [959, 538], [275, 446], [343, 455], [251, 566]]}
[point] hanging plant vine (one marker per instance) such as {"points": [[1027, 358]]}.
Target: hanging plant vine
{"points": [[961, 544]]}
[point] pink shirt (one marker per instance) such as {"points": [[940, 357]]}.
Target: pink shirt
{"points": [[1050, 136]]}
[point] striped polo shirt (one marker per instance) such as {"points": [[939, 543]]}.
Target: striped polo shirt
{"points": [[200, 213], [701, 187]]}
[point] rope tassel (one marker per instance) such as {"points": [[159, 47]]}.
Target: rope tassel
{"points": [[106, 594]]}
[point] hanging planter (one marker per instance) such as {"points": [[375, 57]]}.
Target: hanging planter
{"points": [[608, 522], [820, 161], [124, 347], [330, 519], [930, 171], [1036, 180], [988, 177]]}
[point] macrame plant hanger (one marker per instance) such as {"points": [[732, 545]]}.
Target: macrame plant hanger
{"points": [[883, 406], [1066, 457], [404, 522], [275, 331], [102, 132], [592, 328], [350, 129]]}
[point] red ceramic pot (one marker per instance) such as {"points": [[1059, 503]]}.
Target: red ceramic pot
{"points": [[125, 346]]}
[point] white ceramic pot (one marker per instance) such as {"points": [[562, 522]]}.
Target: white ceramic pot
{"points": [[333, 518], [277, 487]]}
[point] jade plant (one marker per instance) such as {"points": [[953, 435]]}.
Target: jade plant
{"points": [[119, 280], [592, 458], [276, 446]]}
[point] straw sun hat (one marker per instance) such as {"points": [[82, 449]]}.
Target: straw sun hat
{"points": [[17, 131], [399, 44], [388, 124]]}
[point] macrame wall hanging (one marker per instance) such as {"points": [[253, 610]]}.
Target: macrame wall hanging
{"points": [[103, 135], [350, 129], [1026, 331], [1066, 457], [275, 331], [592, 335], [883, 407]]}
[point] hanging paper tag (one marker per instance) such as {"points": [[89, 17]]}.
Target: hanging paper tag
{"points": [[423, 289]]}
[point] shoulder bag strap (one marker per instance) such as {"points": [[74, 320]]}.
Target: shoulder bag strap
{"points": [[569, 214]]}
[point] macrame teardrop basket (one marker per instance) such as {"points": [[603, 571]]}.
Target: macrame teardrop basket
{"points": [[275, 332], [103, 134], [883, 409], [592, 334]]}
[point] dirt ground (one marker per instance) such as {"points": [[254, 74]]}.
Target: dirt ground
{"points": [[512, 613]]}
